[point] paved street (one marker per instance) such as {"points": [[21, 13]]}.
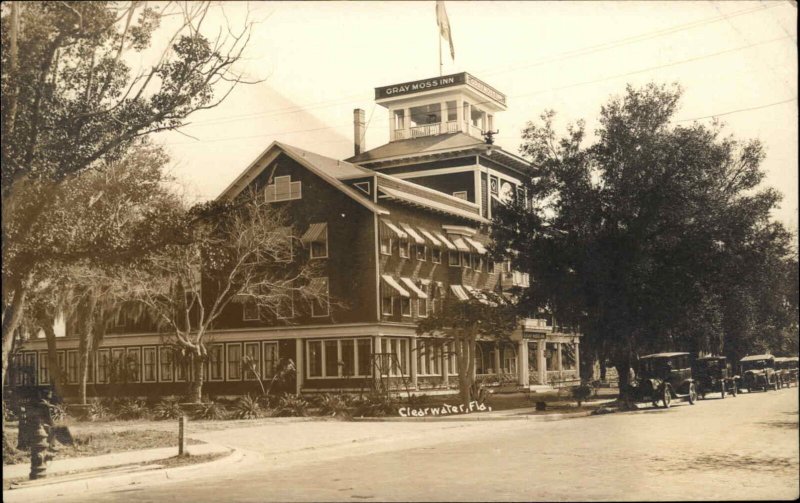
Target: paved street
{"points": [[737, 448]]}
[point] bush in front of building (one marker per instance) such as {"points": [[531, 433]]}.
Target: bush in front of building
{"points": [[334, 405], [169, 408], [98, 410], [130, 408], [248, 407], [292, 406], [376, 405], [211, 411]]}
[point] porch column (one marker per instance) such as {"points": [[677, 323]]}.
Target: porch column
{"points": [[578, 357], [300, 371], [442, 117], [558, 357], [460, 114], [407, 121], [376, 363], [522, 362], [540, 345], [413, 356], [497, 358], [445, 365]]}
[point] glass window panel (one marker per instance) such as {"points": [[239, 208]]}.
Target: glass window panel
{"points": [[364, 347], [331, 358], [315, 359], [348, 357], [270, 358], [234, 362]]}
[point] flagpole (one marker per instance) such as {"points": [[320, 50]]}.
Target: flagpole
{"points": [[439, 36]]}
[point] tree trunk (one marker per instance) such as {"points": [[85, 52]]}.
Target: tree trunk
{"points": [[52, 358], [11, 320], [197, 381], [85, 347]]}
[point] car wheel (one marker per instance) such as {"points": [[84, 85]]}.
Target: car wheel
{"points": [[692, 394], [722, 389], [666, 397]]}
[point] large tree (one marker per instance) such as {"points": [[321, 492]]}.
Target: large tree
{"points": [[464, 323], [238, 251], [643, 237], [72, 102]]}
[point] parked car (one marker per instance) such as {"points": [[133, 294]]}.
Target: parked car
{"points": [[786, 368], [712, 374], [662, 377], [758, 372]]}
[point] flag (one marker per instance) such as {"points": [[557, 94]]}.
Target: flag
{"points": [[444, 26]]}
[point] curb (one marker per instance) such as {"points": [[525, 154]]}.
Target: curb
{"points": [[96, 481], [473, 417]]}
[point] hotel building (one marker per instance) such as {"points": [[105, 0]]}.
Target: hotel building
{"points": [[395, 229]]}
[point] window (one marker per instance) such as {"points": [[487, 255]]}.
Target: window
{"points": [[396, 351], [436, 255], [316, 238], [452, 362], [466, 260], [403, 246], [134, 363], [72, 367], [454, 259], [405, 306], [387, 303], [182, 367], [234, 353], [339, 358], [283, 189], [568, 356], [285, 309], [103, 360], [399, 119], [252, 360], [386, 242], [509, 361], [165, 363], [452, 110], [285, 252], [215, 362], [421, 252], [270, 365], [490, 266], [461, 194], [320, 307], [149, 364], [117, 368], [422, 304], [44, 365], [250, 310], [428, 356]]}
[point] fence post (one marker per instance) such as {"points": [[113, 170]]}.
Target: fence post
{"points": [[182, 435]]}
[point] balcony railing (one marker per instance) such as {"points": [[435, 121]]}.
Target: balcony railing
{"points": [[425, 130]]}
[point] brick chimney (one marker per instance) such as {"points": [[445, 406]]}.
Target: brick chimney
{"points": [[358, 130]]}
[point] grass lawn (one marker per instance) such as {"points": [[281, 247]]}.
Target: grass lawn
{"points": [[97, 443]]}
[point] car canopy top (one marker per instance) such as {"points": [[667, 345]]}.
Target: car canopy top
{"points": [[662, 355], [708, 358], [757, 357]]}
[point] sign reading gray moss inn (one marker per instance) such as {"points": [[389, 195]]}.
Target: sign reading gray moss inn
{"points": [[456, 79]]}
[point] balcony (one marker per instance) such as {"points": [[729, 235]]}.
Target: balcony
{"points": [[434, 130], [514, 279]]}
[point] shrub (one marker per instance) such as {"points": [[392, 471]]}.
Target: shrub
{"points": [[211, 410], [58, 411], [581, 393], [247, 407], [377, 405], [334, 405], [132, 409], [9, 413], [98, 411], [167, 409], [292, 406]]}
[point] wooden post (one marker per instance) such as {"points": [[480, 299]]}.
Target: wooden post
{"points": [[182, 436]]}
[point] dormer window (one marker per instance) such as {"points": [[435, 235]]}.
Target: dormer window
{"points": [[283, 189]]}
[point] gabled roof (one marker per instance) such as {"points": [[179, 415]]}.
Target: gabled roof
{"points": [[326, 168], [756, 357]]}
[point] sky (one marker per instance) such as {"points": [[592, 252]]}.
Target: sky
{"points": [[320, 60]]}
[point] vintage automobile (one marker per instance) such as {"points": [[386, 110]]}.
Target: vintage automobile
{"points": [[712, 374], [786, 368], [758, 372], [662, 377]]}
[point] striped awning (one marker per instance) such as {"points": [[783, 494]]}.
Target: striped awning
{"points": [[447, 243], [459, 292], [479, 296], [394, 284], [314, 233], [460, 244], [414, 288], [431, 238], [395, 229], [411, 232], [476, 245]]}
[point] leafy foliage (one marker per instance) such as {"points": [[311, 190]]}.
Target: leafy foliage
{"points": [[212, 411], [334, 406], [167, 409], [377, 405], [292, 406], [656, 236], [247, 407], [98, 411], [130, 408]]}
